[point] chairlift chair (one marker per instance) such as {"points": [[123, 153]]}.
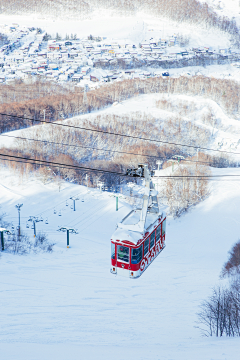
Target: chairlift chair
{"points": [[46, 222], [59, 214], [54, 211]]}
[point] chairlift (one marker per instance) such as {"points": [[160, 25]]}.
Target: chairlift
{"points": [[59, 214], [72, 207], [46, 222], [54, 211], [27, 226], [32, 227], [82, 200], [66, 203]]}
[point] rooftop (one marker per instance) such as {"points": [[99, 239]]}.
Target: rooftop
{"points": [[129, 229]]}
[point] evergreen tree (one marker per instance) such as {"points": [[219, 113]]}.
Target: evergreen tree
{"points": [[58, 37]]}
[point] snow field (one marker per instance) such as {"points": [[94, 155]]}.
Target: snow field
{"points": [[67, 304], [128, 28]]}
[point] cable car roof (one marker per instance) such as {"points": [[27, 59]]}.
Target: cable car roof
{"points": [[129, 230]]}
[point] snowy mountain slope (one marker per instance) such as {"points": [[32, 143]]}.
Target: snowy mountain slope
{"points": [[230, 8], [134, 28], [192, 109], [68, 304]]}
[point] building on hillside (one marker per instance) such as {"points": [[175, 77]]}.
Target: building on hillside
{"points": [[86, 70]]}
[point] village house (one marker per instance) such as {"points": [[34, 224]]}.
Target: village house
{"points": [[85, 70]]}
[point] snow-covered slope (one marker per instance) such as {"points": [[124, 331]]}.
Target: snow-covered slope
{"points": [[224, 130], [129, 28], [68, 305], [229, 8]]}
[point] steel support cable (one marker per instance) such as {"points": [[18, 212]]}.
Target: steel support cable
{"points": [[123, 135], [77, 167], [98, 149]]}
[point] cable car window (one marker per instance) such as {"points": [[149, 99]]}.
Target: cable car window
{"points": [[112, 251], [158, 231], [152, 238], [123, 253], [163, 227], [136, 255], [146, 246]]}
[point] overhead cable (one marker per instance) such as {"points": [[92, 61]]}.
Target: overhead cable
{"points": [[122, 135], [77, 167]]}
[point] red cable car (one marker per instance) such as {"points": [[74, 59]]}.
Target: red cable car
{"points": [[140, 237]]}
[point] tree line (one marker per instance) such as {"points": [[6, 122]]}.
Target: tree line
{"points": [[220, 314], [64, 105], [185, 61]]}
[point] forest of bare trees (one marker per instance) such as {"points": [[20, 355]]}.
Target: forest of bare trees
{"points": [[220, 314], [182, 193], [232, 266], [20, 91], [194, 60], [62, 105]]}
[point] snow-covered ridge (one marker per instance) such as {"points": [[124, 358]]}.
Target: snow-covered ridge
{"points": [[205, 114]]}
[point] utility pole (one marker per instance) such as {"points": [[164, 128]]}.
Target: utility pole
{"points": [[68, 230], [44, 115], [34, 221], [74, 198], [18, 206], [2, 231]]}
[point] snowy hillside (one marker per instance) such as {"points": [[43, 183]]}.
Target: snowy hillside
{"points": [[205, 114], [134, 28], [228, 8], [67, 303]]}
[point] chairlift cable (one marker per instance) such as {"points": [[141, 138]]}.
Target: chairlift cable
{"points": [[122, 135], [98, 149], [83, 168]]}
